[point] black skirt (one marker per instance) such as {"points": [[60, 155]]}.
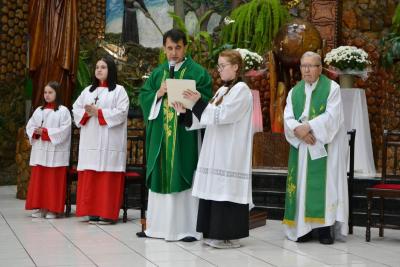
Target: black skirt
{"points": [[223, 220]]}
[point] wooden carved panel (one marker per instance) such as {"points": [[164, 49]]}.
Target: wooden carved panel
{"points": [[323, 11], [328, 32], [326, 17], [270, 150]]}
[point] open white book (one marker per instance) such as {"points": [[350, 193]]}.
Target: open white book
{"points": [[175, 89]]}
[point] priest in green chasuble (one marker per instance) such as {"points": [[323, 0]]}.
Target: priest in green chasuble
{"points": [[171, 151], [316, 188]]}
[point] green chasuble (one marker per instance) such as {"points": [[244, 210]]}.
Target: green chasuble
{"points": [[316, 169], [171, 150]]}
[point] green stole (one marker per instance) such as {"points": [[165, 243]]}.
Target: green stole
{"points": [[316, 169], [169, 164]]}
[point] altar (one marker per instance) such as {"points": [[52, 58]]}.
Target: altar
{"points": [[356, 117]]}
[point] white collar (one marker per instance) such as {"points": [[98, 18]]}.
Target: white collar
{"points": [[312, 85], [178, 65]]}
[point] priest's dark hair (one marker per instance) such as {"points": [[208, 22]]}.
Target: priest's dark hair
{"points": [[175, 35], [111, 75], [56, 87]]}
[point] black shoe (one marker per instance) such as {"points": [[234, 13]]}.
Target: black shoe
{"points": [[94, 219], [325, 236], [305, 238], [188, 239], [141, 234], [326, 240]]}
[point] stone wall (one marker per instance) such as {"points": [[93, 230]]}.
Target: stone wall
{"points": [[92, 18], [13, 37], [12, 111], [13, 49], [364, 23]]}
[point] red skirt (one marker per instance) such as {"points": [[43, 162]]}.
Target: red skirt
{"points": [[46, 189], [99, 194]]}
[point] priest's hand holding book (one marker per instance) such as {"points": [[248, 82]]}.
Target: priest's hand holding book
{"points": [[162, 91]]}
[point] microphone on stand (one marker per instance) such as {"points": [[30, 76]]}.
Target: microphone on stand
{"points": [[171, 69]]}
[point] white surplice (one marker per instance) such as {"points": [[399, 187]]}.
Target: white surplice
{"points": [[328, 128], [103, 147], [58, 124], [224, 167]]}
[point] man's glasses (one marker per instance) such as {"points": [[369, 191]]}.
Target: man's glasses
{"points": [[307, 67]]}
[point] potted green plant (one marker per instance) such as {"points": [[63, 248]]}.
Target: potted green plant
{"points": [[254, 25], [390, 46]]}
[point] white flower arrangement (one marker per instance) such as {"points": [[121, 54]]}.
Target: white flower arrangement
{"points": [[348, 60], [251, 60]]}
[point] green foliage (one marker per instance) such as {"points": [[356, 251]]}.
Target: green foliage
{"points": [[83, 76], [391, 43], [396, 20], [161, 56], [180, 23], [28, 87], [255, 25], [390, 47], [201, 45], [133, 93]]}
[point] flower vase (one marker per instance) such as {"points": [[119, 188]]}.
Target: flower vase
{"points": [[346, 81]]}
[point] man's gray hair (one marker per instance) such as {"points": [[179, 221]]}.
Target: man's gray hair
{"points": [[311, 54]]}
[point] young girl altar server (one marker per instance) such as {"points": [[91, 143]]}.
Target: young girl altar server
{"points": [[49, 132], [101, 113], [223, 176]]}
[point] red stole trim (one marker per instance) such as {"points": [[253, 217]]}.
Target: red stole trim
{"points": [[51, 105], [84, 119], [45, 135], [100, 116], [103, 84]]}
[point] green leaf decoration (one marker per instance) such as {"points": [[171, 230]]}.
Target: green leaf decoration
{"points": [[256, 24]]}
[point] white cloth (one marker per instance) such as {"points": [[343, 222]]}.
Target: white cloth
{"points": [[58, 124], [172, 216], [257, 113], [224, 168], [103, 148], [356, 109], [328, 128]]}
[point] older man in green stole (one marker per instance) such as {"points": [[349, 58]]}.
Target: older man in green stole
{"points": [[316, 189], [171, 151]]}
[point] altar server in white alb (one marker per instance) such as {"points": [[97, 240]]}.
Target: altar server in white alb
{"points": [[49, 132], [101, 114], [223, 177], [316, 192]]}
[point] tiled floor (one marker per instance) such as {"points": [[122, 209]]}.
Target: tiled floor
{"points": [[25, 241]]}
